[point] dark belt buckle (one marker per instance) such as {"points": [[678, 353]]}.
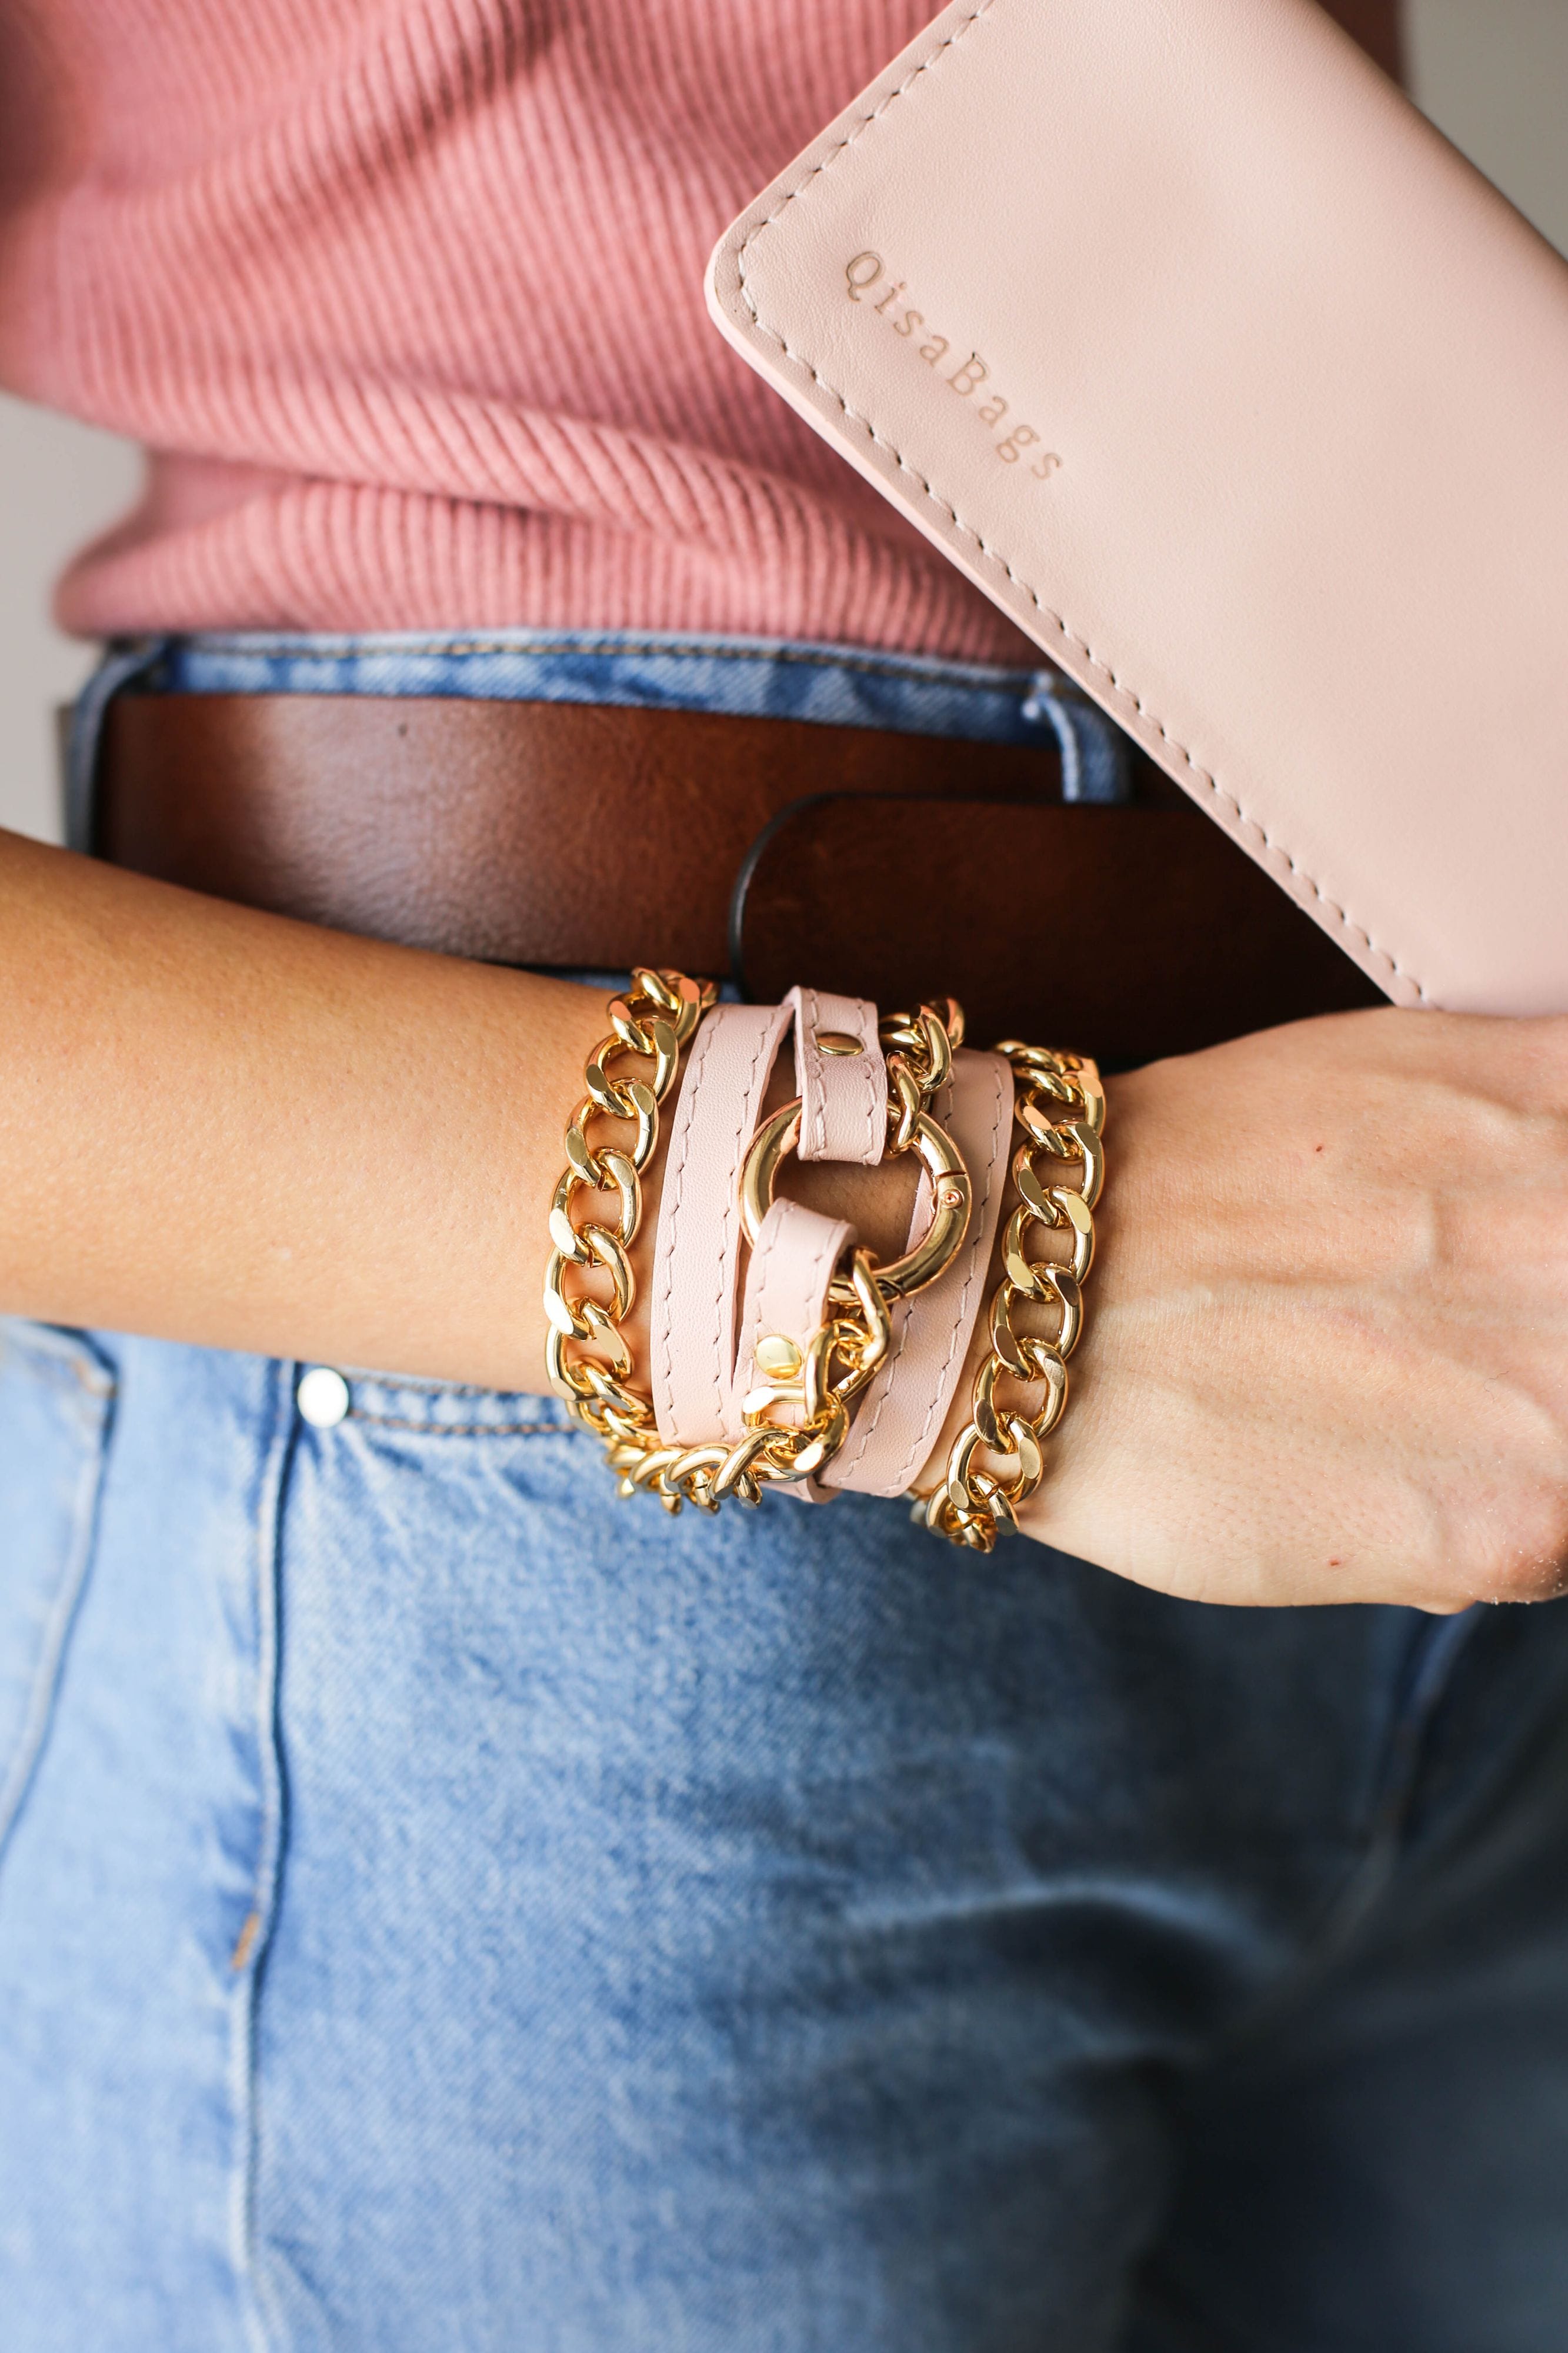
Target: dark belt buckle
{"points": [[1130, 930]]}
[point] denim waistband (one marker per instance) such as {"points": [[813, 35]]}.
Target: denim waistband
{"points": [[761, 678]]}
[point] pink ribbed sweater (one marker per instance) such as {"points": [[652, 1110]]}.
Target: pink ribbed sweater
{"points": [[406, 297]]}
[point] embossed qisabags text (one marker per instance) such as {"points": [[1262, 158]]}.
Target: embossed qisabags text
{"points": [[867, 276]]}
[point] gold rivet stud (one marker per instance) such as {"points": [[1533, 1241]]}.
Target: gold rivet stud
{"points": [[778, 1357], [837, 1041]]}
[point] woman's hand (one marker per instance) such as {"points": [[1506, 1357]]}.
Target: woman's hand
{"points": [[1326, 1341]]}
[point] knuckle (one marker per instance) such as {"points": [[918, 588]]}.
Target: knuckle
{"points": [[1540, 1579], [1525, 1558], [1533, 1053]]}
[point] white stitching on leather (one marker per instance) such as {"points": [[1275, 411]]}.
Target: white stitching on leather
{"points": [[670, 1207], [767, 1245], [869, 1071], [674, 1184], [872, 1073], [763, 1320], [723, 1374], [812, 1013], [1069, 636], [865, 1430]]}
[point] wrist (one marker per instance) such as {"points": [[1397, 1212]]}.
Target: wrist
{"points": [[820, 1334]]}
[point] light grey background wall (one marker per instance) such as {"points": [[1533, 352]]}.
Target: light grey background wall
{"points": [[1493, 74], [59, 484]]}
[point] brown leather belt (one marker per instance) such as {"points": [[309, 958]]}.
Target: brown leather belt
{"points": [[573, 836]]}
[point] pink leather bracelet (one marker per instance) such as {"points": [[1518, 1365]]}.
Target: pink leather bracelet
{"points": [[697, 1252], [704, 1336], [903, 1412], [788, 1280]]}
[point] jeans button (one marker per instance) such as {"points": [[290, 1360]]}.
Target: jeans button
{"points": [[322, 1397]]}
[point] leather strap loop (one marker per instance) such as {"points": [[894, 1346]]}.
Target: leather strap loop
{"points": [[697, 1250], [903, 1412], [842, 1083], [696, 1365], [787, 1284]]}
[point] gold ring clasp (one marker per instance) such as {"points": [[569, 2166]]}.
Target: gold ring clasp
{"points": [[952, 1199]]}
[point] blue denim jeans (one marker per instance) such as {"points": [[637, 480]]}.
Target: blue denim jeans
{"points": [[444, 1909]]}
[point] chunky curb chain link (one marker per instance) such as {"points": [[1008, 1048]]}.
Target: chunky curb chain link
{"points": [[997, 1461], [654, 1022]]}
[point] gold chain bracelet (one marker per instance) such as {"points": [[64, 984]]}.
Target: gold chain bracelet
{"points": [[839, 1361], [997, 1461], [656, 1020]]}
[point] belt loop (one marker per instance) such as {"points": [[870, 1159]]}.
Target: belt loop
{"points": [[1094, 750], [122, 662]]}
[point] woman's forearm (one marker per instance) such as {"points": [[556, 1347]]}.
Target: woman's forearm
{"points": [[1327, 1357], [219, 1126]]}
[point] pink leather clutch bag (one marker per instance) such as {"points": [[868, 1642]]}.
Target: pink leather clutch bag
{"points": [[1178, 330]]}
